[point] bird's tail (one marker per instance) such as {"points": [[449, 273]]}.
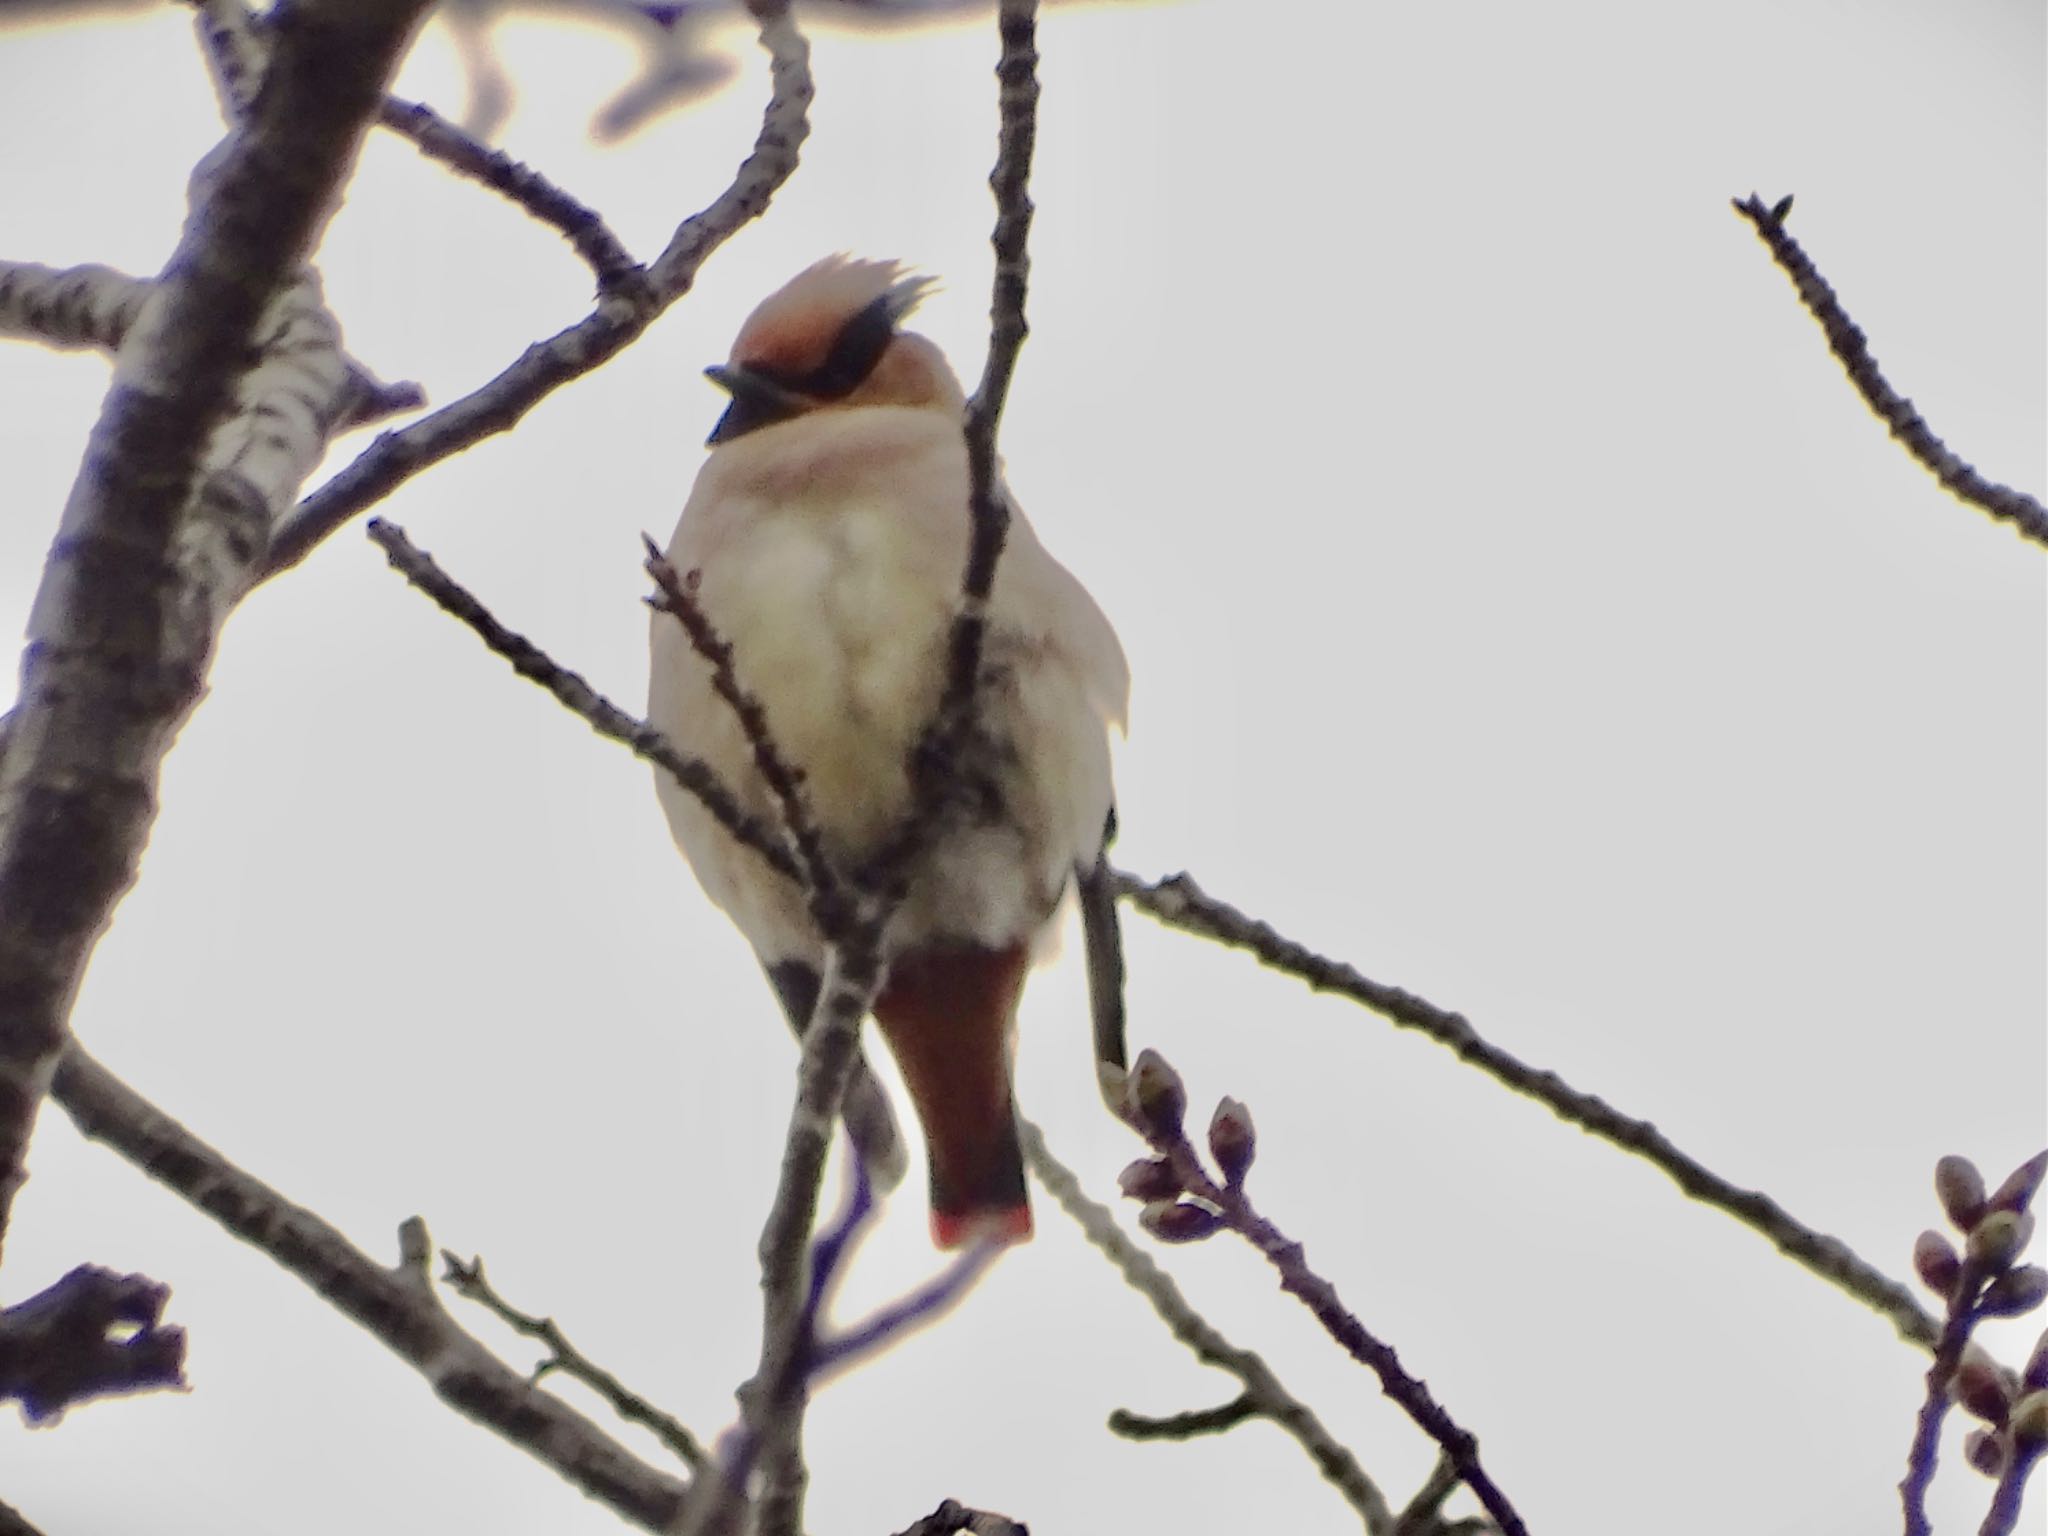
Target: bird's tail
{"points": [[946, 1014]]}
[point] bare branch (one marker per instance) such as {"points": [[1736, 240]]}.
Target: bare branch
{"points": [[579, 698], [1190, 1425], [678, 598], [167, 517], [773, 1401], [622, 314], [234, 52], [85, 306], [95, 306], [92, 1334], [1184, 1204], [397, 1306], [1178, 902], [951, 1519], [2028, 517], [466, 1279], [584, 228], [1143, 1274]]}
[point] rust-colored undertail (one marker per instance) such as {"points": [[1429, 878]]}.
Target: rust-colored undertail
{"points": [[946, 1015]]}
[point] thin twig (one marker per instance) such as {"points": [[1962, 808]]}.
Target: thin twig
{"points": [[1948, 1354], [396, 1305], [1180, 903], [220, 402], [621, 315], [1143, 1274], [936, 758], [584, 228], [579, 698], [773, 1401], [1155, 1106], [2028, 517], [1185, 1426], [466, 1279], [678, 598], [234, 51]]}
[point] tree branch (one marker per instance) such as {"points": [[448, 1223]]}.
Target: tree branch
{"points": [[95, 306], [466, 1279], [1184, 1204], [1143, 1275], [92, 1334], [397, 1306], [1179, 903], [2028, 517], [622, 314], [576, 695], [166, 519]]}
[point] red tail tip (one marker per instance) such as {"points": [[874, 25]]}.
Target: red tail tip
{"points": [[1006, 1225]]}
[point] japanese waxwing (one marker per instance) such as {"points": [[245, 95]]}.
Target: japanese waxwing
{"points": [[826, 537]]}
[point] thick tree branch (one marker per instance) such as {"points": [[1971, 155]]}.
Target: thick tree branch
{"points": [[166, 519], [622, 314], [397, 1306], [94, 306], [1178, 902], [1261, 1387], [2028, 517]]}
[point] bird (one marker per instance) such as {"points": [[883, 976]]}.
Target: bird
{"points": [[825, 539]]}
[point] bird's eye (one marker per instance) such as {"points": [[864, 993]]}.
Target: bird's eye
{"points": [[854, 355]]}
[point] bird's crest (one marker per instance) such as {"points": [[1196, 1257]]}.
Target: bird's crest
{"points": [[793, 330]]}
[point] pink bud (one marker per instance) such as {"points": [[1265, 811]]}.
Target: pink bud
{"points": [[2036, 1374], [1981, 1388], [1181, 1221], [2029, 1422], [1154, 1098], [1998, 1238], [1149, 1179], [1961, 1190], [2015, 1292], [1231, 1140], [1985, 1450], [2017, 1192], [1936, 1263]]}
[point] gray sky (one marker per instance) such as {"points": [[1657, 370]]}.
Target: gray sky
{"points": [[1520, 604]]}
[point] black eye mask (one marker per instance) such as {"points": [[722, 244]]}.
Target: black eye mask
{"points": [[763, 396]]}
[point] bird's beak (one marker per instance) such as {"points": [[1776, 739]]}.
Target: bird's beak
{"points": [[757, 401]]}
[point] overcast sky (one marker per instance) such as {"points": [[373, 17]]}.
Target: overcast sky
{"points": [[1520, 605]]}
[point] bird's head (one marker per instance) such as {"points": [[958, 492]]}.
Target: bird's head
{"points": [[827, 340]]}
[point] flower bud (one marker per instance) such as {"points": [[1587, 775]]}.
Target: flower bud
{"points": [[1998, 1238], [1960, 1188], [1179, 1221], [1154, 1098], [2029, 1422], [1936, 1263], [1231, 1140], [2017, 1192], [1149, 1179], [1985, 1449], [1980, 1387], [2015, 1292], [2036, 1374]]}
